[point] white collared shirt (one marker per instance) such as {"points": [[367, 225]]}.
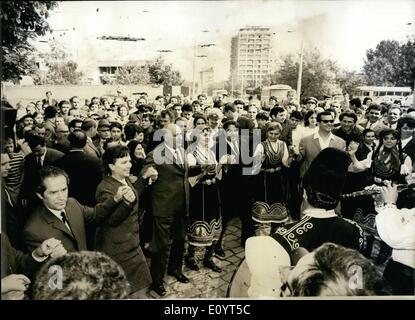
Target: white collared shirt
{"points": [[396, 227], [57, 214], [42, 158], [324, 143], [319, 213], [176, 153]]}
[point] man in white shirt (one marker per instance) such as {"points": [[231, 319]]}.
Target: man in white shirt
{"points": [[310, 146], [397, 228]]}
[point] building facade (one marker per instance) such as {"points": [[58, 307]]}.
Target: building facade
{"points": [[206, 80], [251, 57]]}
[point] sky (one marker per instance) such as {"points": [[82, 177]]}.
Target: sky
{"points": [[341, 30]]}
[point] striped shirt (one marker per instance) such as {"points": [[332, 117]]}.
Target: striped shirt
{"points": [[14, 178]]}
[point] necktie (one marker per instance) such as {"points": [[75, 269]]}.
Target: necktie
{"points": [[235, 148], [177, 158], [39, 162], [65, 220]]}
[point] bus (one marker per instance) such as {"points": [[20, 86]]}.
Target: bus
{"points": [[277, 90], [382, 94]]}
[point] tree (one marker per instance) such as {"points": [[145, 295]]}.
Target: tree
{"points": [[132, 73], [20, 22], [391, 64], [349, 80], [61, 70], [318, 77], [160, 73]]}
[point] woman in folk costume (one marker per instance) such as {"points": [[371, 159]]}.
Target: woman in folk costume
{"points": [[205, 224], [270, 157], [387, 162]]}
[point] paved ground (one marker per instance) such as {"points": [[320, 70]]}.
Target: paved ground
{"points": [[205, 283]]}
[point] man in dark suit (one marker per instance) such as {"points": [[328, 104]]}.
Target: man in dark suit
{"points": [[61, 217], [84, 171], [279, 114], [170, 201], [17, 267], [40, 157], [89, 126]]}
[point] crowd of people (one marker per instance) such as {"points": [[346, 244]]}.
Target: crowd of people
{"points": [[136, 188]]}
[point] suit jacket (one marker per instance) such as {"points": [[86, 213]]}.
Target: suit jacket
{"points": [[43, 224], [379, 126], [91, 149], [170, 193], [410, 151], [14, 261], [31, 175], [85, 173], [118, 235], [11, 219], [309, 149]]}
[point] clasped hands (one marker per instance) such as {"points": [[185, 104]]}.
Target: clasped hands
{"points": [[14, 286], [126, 194]]}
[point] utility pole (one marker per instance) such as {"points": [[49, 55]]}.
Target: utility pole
{"points": [[194, 70], [300, 73]]}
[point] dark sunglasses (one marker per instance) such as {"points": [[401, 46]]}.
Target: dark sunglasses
{"points": [[327, 121]]}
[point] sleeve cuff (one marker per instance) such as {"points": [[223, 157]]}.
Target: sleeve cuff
{"points": [[37, 258]]}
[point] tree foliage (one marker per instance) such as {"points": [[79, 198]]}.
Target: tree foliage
{"points": [[132, 73], [391, 64], [153, 72], [61, 69], [319, 75], [349, 80], [20, 22], [160, 73]]}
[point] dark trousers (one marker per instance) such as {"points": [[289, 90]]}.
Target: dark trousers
{"points": [[165, 228], [400, 277]]}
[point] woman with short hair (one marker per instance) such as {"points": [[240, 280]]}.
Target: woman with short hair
{"points": [[118, 236]]}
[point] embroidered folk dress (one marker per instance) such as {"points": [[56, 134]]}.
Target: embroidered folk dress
{"points": [[268, 191], [205, 225], [319, 226]]}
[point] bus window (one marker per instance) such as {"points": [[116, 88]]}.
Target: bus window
{"points": [[398, 94], [382, 93], [366, 93], [406, 94], [376, 94]]}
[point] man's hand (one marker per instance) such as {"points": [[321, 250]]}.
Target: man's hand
{"points": [[129, 196], [48, 247], [231, 159], [389, 193], [133, 179], [151, 173], [14, 286], [352, 148], [120, 193]]}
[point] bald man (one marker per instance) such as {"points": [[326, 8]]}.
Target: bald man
{"points": [[170, 202]]}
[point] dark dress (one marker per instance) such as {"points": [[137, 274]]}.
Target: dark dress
{"points": [[269, 206], [118, 236], [204, 207]]}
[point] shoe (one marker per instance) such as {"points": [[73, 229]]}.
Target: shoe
{"points": [[219, 253], [192, 264], [159, 289], [180, 277], [211, 265]]}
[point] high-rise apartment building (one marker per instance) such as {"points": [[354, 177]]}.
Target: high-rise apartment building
{"points": [[251, 56]]}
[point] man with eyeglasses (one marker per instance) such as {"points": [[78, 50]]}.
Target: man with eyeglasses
{"points": [[310, 146]]}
